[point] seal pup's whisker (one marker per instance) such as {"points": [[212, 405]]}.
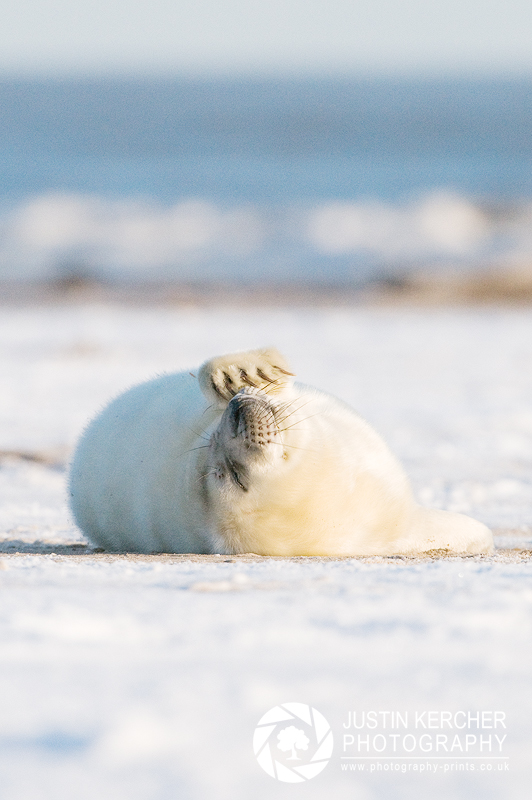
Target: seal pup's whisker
{"points": [[201, 434], [273, 383], [294, 447], [299, 421], [192, 449], [294, 411], [205, 475]]}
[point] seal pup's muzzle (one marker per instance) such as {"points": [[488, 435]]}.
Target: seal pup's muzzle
{"points": [[247, 439], [251, 418]]}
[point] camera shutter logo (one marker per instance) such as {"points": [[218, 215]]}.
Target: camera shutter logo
{"points": [[293, 742]]}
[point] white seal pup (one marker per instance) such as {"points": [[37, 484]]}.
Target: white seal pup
{"points": [[242, 459]]}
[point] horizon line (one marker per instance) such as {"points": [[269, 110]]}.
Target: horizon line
{"points": [[280, 74]]}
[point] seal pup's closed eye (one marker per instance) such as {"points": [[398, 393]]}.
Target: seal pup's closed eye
{"points": [[243, 459]]}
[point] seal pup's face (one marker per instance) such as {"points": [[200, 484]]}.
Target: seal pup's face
{"points": [[248, 442], [266, 476], [253, 448]]}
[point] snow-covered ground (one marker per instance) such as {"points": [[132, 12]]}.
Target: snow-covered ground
{"points": [[144, 677]]}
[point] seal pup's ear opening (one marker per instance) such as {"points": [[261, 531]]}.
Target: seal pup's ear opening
{"points": [[222, 377]]}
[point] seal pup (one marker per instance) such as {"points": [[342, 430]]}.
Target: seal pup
{"points": [[242, 459]]}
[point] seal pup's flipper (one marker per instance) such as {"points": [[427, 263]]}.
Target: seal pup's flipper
{"points": [[222, 377]]}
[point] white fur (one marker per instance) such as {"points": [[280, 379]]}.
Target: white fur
{"points": [[172, 467]]}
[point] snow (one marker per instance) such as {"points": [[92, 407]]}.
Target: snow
{"points": [[145, 676]]}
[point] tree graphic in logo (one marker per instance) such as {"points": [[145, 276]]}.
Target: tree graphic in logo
{"points": [[293, 742], [290, 738]]}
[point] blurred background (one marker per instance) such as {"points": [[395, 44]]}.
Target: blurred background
{"points": [[243, 143]]}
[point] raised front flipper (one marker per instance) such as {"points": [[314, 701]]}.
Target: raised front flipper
{"points": [[222, 377]]}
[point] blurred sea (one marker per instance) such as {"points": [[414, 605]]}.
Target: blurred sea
{"points": [[329, 181]]}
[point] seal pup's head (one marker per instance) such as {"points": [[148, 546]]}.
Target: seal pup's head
{"points": [[253, 445], [266, 475], [247, 441]]}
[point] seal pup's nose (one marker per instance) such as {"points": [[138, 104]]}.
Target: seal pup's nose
{"points": [[251, 417]]}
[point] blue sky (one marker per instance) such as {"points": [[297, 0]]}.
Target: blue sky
{"points": [[265, 36]]}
